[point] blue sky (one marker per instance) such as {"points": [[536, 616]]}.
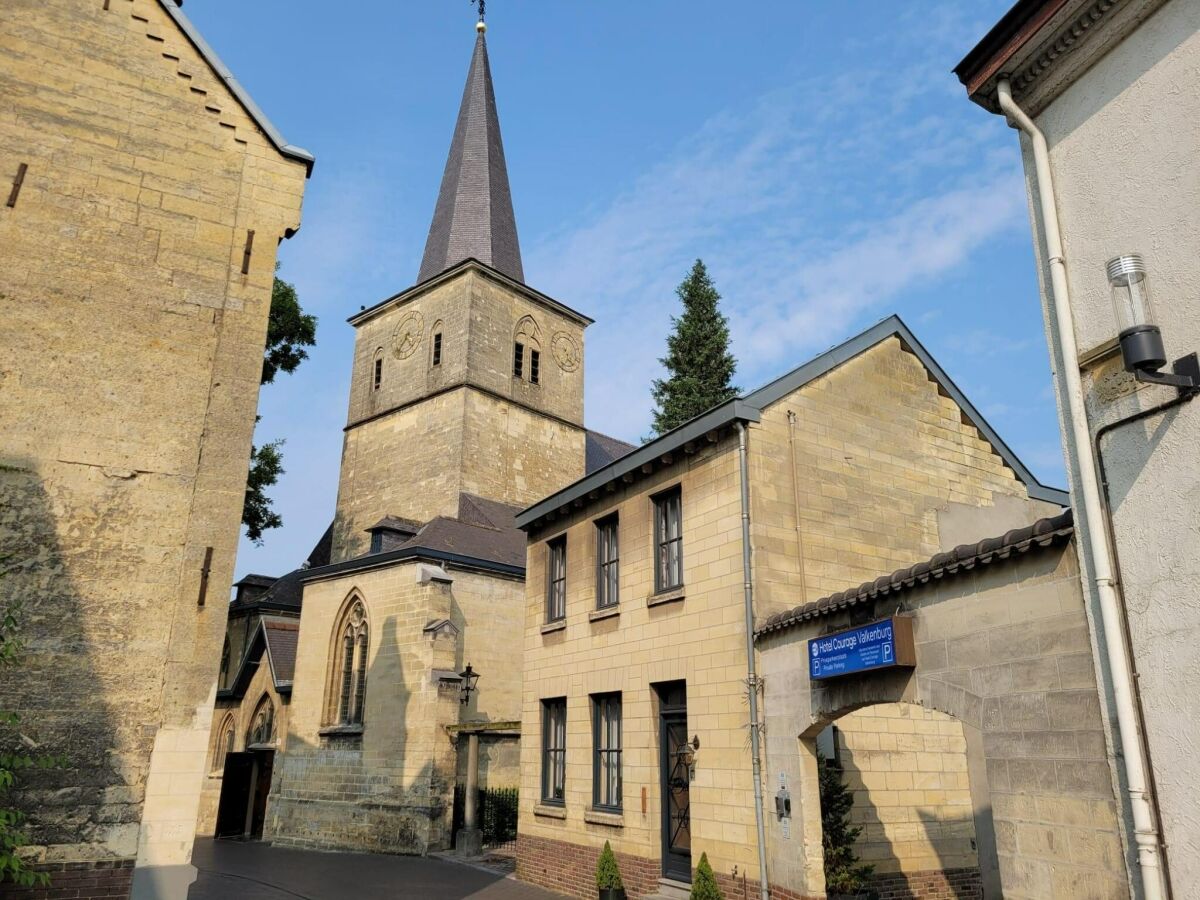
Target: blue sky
{"points": [[820, 157]]}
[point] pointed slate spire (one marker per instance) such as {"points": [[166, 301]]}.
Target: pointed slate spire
{"points": [[474, 214]]}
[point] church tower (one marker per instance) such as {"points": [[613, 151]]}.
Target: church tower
{"points": [[470, 381]]}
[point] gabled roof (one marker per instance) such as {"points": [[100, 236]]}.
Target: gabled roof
{"points": [[1047, 532], [277, 638], [474, 212], [749, 409], [171, 8]]}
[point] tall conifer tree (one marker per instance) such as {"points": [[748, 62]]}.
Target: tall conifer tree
{"points": [[699, 365]]}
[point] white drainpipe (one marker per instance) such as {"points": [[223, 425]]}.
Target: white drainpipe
{"points": [[1145, 830]]}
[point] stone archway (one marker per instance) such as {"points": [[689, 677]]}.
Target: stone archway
{"points": [[919, 781], [1003, 646]]}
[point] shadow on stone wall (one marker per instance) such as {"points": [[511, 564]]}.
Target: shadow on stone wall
{"points": [[60, 685]]}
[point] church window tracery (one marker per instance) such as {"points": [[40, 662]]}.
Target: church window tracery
{"points": [[349, 672], [262, 725]]}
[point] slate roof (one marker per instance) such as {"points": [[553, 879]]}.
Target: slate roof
{"points": [[282, 635], [474, 213], [277, 638], [600, 450], [1042, 533], [256, 581], [171, 7], [749, 407]]}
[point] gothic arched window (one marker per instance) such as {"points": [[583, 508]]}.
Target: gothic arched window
{"points": [[224, 746], [527, 350], [377, 370], [348, 692], [262, 725]]}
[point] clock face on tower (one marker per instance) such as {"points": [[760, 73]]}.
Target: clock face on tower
{"points": [[407, 336], [566, 351]]}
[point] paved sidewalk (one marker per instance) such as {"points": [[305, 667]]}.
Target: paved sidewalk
{"points": [[231, 870]]}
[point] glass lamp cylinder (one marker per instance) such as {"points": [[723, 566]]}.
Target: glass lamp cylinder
{"points": [[1141, 340]]}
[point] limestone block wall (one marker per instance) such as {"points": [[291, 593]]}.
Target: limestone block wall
{"points": [[698, 637], [879, 452], [129, 367], [1005, 650], [389, 788], [467, 424], [907, 768]]}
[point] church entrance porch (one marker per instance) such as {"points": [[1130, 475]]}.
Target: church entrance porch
{"points": [[1003, 658], [245, 784]]}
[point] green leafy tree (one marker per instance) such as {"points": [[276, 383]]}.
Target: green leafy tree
{"points": [[699, 365], [15, 759], [704, 882], [607, 873], [266, 465], [289, 331], [843, 874]]}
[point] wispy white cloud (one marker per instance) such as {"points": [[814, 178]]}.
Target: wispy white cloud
{"points": [[814, 206]]}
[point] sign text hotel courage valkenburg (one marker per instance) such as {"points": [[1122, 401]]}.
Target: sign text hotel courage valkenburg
{"points": [[884, 644]]}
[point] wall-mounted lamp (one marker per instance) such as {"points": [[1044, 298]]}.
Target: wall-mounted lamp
{"points": [[469, 679], [1141, 339]]}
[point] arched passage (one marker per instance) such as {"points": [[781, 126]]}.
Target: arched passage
{"points": [[1001, 645]]}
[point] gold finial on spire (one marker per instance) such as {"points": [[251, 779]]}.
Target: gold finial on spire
{"points": [[480, 26]]}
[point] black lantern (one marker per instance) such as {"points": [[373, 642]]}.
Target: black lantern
{"points": [[1140, 337], [469, 678]]}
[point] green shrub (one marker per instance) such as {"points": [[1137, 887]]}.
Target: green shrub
{"points": [[843, 874], [607, 873], [704, 885]]}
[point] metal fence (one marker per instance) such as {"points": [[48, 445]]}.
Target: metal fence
{"points": [[497, 810]]}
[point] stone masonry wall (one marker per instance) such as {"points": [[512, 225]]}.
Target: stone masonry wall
{"points": [[907, 767], [390, 788], [1005, 649], [879, 452], [423, 436], [129, 368]]}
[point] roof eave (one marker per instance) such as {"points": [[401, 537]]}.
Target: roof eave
{"points": [[726, 414], [172, 9], [408, 554], [428, 284]]}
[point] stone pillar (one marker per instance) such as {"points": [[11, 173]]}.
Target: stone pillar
{"points": [[469, 840]]}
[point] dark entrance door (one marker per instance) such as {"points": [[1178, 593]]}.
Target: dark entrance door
{"points": [[675, 764], [235, 794], [264, 764]]}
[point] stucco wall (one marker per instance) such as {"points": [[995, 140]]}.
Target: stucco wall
{"points": [[1123, 145], [130, 357]]}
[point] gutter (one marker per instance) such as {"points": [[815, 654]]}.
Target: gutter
{"points": [[752, 682], [1120, 665]]}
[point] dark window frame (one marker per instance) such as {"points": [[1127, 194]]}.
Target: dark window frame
{"points": [[437, 349], [606, 758], [666, 562], [608, 562], [554, 751], [535, 366], [378, 376], [556, 579], [518, 360]]}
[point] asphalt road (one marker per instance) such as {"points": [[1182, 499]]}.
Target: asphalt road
{"points": [[253, 871]]}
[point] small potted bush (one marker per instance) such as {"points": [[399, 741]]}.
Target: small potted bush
{"points": [[704, 884], [608, 876]]}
